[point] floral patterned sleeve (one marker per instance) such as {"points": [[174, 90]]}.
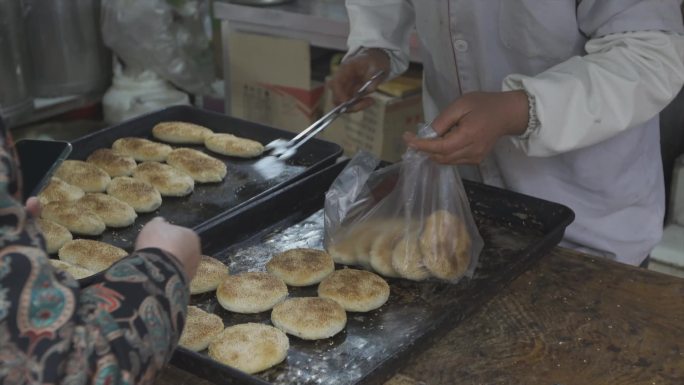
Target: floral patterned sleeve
{"points": [[121, 329]]}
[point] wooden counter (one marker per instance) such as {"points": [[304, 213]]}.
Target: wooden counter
{"points": [[571, 319]]}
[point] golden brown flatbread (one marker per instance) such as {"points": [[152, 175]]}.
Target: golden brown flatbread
{"points": [[344, 249], [363, 241], [142, 150], [59, 190], [180, 132], [231, 145], [74, 217], [445, 245], [301, 267], [200, 166], [309, 318], [407, 260], [382, 249], [112, 211], [87, 176], [140, 195], [210, 273], [92, 255], [76, 271], [355, 290], [55, 234], [200, 329], [250, 347], [251, 292], [112, 163], [169, 181]]}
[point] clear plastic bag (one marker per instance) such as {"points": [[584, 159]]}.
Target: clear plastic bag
{"points": [[411, 219], [167, 37]]}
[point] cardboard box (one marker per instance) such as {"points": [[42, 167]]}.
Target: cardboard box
{"points": [[377, 129], [271, 81]]}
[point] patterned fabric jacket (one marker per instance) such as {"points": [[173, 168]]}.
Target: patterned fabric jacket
{"points": [[120, 329]]}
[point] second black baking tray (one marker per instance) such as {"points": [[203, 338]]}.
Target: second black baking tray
{"points": [[242, 184], [517, 231]]}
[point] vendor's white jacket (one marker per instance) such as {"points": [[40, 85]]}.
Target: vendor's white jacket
{"points": [[599, 71]]}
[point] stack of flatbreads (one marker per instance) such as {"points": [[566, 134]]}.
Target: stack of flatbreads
{"points": [[440, 249]]}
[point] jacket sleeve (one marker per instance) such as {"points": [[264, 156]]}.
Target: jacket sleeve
{"points": [[385, 24], [121, 329], [633, 67]]}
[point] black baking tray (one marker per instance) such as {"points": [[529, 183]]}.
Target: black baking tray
{"points": [[242, 184], [517, 230]]}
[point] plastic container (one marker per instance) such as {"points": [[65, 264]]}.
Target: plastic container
{"points": [[132, 95]]}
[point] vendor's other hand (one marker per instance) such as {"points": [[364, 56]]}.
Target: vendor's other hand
{"points": [[33, 207], [182, 242], [355, 71], [470, 126]]}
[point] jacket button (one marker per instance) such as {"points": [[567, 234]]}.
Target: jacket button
{"points": [[460, 45]]}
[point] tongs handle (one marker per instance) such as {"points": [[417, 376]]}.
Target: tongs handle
{"points": [[328, 118]]}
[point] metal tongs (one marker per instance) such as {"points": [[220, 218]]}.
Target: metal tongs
{"points": [[284, 149]]}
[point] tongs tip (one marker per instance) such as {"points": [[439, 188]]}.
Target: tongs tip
{"points": [[277, 143], [280, 148]]}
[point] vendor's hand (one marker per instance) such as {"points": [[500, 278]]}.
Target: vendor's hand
{"points": [[470, 126], [355, 71], [182, 242], [33, 207]]}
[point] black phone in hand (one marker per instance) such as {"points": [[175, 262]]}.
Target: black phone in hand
{"points": [[38, 160]]}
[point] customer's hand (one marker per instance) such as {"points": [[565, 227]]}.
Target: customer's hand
{"points": [[470, 126], [33, 207], [355, 71], [182, 242]]}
